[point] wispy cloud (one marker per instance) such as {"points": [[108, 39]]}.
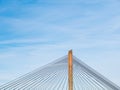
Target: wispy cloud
{"points": [[24, 41]]}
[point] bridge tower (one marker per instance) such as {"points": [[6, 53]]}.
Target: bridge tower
{"points": [[70, 70]]}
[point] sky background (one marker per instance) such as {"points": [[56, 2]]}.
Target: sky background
{"points": [[36, 32]]}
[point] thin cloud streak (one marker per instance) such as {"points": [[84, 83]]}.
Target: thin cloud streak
{"points": [[24, 41]]}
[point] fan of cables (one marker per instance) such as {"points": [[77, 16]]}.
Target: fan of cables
{"points": [[54, 76]]}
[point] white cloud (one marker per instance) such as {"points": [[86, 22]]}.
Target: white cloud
{"points": [[24, 41]]}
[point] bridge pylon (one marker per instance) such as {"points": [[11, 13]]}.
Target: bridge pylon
{"points": [[70, 70]]}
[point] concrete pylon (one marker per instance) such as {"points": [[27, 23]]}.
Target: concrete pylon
{"points": [[70, 70]]}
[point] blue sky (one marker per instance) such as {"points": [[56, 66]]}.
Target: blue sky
{"points": [[36, 32]]}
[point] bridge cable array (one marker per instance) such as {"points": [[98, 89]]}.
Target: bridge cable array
{"points": [[54, 76]]}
